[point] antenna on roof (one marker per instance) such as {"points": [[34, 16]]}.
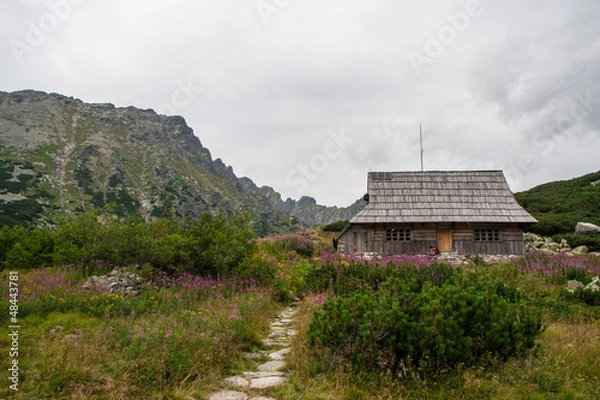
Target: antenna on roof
{"points": [[421, 141]]}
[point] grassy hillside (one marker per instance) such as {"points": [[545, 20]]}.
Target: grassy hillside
{"points": [[558, 206]]}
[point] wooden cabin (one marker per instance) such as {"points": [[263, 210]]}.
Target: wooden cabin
{"points": [[457, 212]]}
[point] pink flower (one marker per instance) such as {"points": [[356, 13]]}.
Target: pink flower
{"points": [[235, 314]]}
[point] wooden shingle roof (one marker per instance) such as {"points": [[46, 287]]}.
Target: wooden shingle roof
{"points": [[440, 196]]}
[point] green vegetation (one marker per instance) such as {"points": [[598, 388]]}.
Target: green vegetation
{"points": [[83, 176], [211, 244], [389, 328], [437, 325], [427, 330], [335, 226], [167, 342], [558, 206], [19, 212], [592, 241]]}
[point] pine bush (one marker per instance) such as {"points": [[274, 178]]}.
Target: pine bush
{"points": [[428, 327]]}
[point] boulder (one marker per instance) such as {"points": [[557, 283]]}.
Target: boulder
{"points": [[553, 246], [532, 237], [585, 228], [572, 286], [116, 281], [565, 249], [594, 285], [575, 284], [580, 250]]}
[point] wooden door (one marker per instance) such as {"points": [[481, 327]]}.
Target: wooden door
{"points": [[445, 238]]}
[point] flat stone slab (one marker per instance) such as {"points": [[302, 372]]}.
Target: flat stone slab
{"points": [[280, 355], [228, 395], [274, 343], [268, 374], [264, 374], [253, 356], [272, 366], [237, 382], [268, 382], [288, 314], [276, 336]]}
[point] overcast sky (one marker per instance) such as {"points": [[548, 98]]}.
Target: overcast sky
{"points": [[307, 96]]}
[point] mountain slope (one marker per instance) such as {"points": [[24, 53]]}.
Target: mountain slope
{"points": [[306, 208], [558, 206], [59, 155]]}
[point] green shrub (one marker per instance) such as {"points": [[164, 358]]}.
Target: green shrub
{"points": [[335, 226], [219, 243], [301, 244], [344, 277], [591, 241], [589, 297], [208, 245], [558, 206], [21, 247], [426, 328], [261, 268]]}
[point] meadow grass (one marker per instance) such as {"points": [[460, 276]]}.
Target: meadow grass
{"points": [[166, 342], [178, 337], [564, 365]]}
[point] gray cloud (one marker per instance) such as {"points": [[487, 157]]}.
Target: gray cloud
{"points": [[499, 92]]}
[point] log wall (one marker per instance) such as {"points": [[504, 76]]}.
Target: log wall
{"points": [[371, 238]]}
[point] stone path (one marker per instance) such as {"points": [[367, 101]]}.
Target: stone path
{"points": [[249, 384]]}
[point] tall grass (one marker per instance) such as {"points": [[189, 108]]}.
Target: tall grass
{"points": [[178, 336], [559, 268]]}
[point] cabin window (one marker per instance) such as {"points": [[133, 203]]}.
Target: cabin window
{"points": [[398, 235], [487, 235]]}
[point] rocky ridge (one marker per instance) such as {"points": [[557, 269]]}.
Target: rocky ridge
{"points": [[60, 155], [306, 208]]}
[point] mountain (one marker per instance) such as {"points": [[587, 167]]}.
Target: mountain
{"points": [[558, 206], [306, 208], [59, 155]]}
